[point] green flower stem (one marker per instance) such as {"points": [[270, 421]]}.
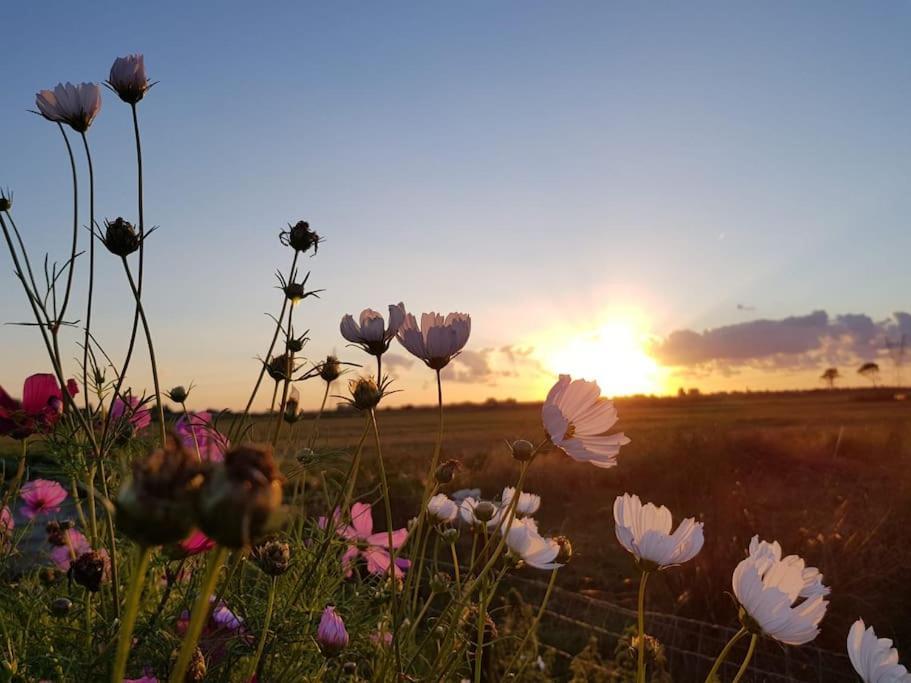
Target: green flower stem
{"points": [[199, 613], [265, 630], [72, 264], [13, 489], [746, 660], [93, 518], [640, 667], [286, 385], [723, 655], [112, 540], [532, 629], [91, 289], [131, 611]]}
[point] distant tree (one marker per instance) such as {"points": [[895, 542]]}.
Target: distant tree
{"points": [[897, 349], [694, 392], [829, 377], [870, 371]]}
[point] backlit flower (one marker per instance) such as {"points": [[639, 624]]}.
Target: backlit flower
{"points": [[441, 509], [373, 334], [779, 597], [331, 633], [41, 495], [128, 78], [525, 542], [198, 431], [74, 105], [40, 407], [645, 531], [479, 512], [372, 547], [438, 339], [576, 417], [874, 659], [527, 504]]}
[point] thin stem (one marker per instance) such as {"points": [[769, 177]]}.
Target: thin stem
{"points": [[12, 490], [262, 636], [640, 667], [192, 429], [314, 430], [88, 310], [131, 611], [532, 629], [148, 335], [112, 538], [723, 655], [746, 660], [199, 613], [69, 275], [286, 383]]}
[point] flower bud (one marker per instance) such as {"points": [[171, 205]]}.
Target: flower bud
{"points": [[522, 450], [280, 367], [294, 291], [294, 345], [89, 570], [155, 506], [128, 78], [6, 203], [120, 237], [446, 471], [439, 582], [439, 633], [331, 634], [273, 557], [566, 550], [300, 237], [61, 607], [179, 394], [365, 394], [241, 500], [484, 511], [330, 369], [451, 535]]}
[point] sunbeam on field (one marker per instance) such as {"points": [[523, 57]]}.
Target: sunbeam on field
{"points": [[613, 354]]}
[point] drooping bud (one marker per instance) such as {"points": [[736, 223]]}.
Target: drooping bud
{"points": [[522, 450], [89, 570], [566, 550], [61, 607], [300, 237], [155, 506], [365, 394], [446, 471], [485, 511], [120, 237], [273, 557], [330, 369], [178, 394], [331, 633], [241, 500]]}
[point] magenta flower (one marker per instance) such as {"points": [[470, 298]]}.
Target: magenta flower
{"points": [[374, 548], [212, 445], [196, 543], [331, 634], [220, 629], [137, 416], [40, 408], [7, 523], [41, 495], [75, 546]]}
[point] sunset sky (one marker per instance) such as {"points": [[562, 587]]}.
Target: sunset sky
{"points": [[692, 194]]}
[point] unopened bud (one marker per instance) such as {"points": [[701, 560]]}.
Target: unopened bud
{"points": [[446, 471], [566, 550], [365, 394], [484, 511], [89, 570], [273, 557], [178, 394], [61, 607], [6, 203], [439, 582], [450, 535], [294, 291], [349, 668], [330, 369], [300, 237], [522, 450], [120, 237], [294, 345]]}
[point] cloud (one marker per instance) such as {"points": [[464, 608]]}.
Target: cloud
{"points": [[793, 342], [395, 361], [489, 365]]}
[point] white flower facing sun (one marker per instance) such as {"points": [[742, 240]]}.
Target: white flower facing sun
{"points": [[525, 542], [645, 531], [373, 334], [74, 105], [874, 659], [442, 509], [576, 417], [527, 504], [438, 339], [782, 597]]}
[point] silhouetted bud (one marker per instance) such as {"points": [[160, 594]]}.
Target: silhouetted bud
{"points": [[6, 203], [273, 557], [120, 237], [446, 471], [155, 505], [522, 450], [178, 394], [89, 569], [294, 345], [241, 500], [330, 369], [566, 550], [61, 607], [281, 367], [300, 237], [365, 394]]}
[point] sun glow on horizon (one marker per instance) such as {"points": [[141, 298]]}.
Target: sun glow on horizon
{"points": [[614, 355]]}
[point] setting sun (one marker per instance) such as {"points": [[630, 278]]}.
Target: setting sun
{"points": [[614, 355]]}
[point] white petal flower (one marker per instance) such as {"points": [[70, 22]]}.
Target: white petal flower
{"points": [[373, 334], [438, 339], [645, 531], [442, 509], [782, 596], [466, 511], [536, 551], [874, 659], [527, 504], [128, 78], [74, 105], [576, 417]]}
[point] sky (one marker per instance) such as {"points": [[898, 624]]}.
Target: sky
{"points": [[652, 195]]}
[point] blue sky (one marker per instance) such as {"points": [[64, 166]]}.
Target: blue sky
{"points": [[540, 165]]}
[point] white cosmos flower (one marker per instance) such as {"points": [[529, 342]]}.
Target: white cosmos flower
{"points": [[576, 417], [781, 596], [536, 551], [527, 504], [466, 511], [373, 334], [128, 78], [645, 531], [74, 105], [874, 659], [442, 509], [438, 339]]}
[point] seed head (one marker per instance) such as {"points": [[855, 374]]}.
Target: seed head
{"points": [[365, 394], [120, 237], [273, 557], [300, 237], [178, 394], [330, 369]]}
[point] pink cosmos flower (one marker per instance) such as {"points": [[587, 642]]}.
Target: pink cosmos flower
{"points": [[212, 444], [196, 543], [41, 495], [133, 411], [76, 545], [374, 548], [331, 633], [220, 629], [40, 408]]}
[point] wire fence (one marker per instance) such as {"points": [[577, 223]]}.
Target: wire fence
{"points": [[690, 645]]}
